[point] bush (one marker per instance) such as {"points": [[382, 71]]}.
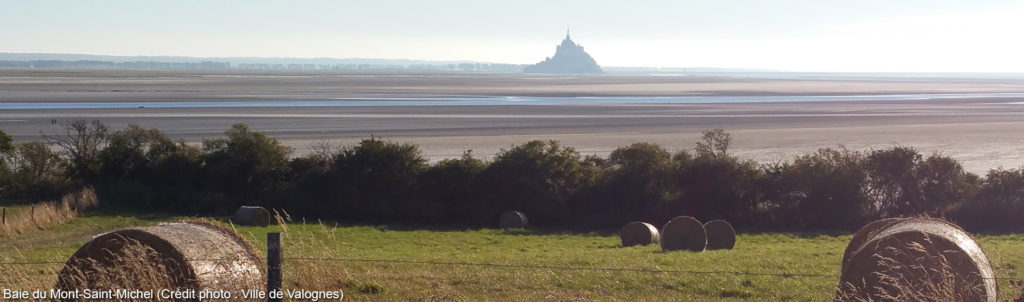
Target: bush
{"points": [[132, 168], [713, 187], [6, 144], [823, 190], [540, 178], [635, 184], [375, 181], [81, 144], [446, 191], [247, 167], [379, 181], [901, 184], [998, 204], [36, 173]]}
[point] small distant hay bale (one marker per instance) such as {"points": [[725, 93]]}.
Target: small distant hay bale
{"points": [[683, 233], [917, 259], [512, 220], [721, 235], [251, 216], [639, 233], [199, 255]]}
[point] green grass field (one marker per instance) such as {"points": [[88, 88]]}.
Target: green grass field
{"points": [[771, 253]]}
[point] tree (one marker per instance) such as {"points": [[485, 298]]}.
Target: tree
{"points": [[943, 184], [6, 150], [6, 144], [81, 144], [375, 181], [714, 143], [824, 190], [715, 185], [636, 183], [893, 185], [998, 204], [248, 167], [36, 172], [127, 168], [446, 190], [541, 178]]}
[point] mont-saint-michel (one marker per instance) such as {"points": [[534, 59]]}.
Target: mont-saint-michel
{"points": [[569, 58]]}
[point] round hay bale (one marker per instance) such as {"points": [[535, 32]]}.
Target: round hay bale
{"points": [[512, 220], [683, 233], [251, 216], [721, 235], [639, 233], [196, 255], [863, 234], [918, 259]]}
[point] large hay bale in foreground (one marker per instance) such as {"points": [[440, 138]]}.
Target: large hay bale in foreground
{"points": [[683, 233], [721, 235], [251, 216], [918, 259], [197, 255], [863, 234], [639, 233], [512, 220]]}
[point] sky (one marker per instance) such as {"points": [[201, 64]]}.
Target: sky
{"points": [[795, 35]]}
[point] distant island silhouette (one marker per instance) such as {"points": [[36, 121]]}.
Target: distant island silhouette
{"points": [[569, 58]]}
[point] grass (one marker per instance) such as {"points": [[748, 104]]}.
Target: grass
{"points": [[20, 219], [389, 281]]}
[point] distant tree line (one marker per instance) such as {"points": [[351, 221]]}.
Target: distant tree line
{"points": [[96, 64], [380, 181]]}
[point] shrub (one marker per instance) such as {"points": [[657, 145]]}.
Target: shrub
{"points": [[712, 187], [540, 178], [823, 190], [997, 205], [6, 144], [246, 167], [446, 190], [131, 169], [635, 184], [375, 181], [36, 172], [81, 144]]}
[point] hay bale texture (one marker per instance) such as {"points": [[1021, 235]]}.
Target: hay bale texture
{"points": [[196, 255], [917, 259], [721, 235], [639, 233], [251, 216], [683, 233], [512, 220], [863, 234]]}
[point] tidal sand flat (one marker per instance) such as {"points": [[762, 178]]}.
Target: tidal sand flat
{"points": [[974, 119]]}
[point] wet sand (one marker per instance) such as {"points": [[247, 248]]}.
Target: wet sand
{"points": [[982, 134]]}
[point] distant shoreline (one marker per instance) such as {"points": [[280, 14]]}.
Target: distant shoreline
{"points": [[414, 101], [980, 132]]}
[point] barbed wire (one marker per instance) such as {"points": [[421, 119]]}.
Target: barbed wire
{"points": [[558, 267]]}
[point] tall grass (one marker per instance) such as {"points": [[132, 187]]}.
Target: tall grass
{"points": [[44, 214]]}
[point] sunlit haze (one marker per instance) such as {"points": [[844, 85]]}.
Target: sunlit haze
{"points": [[884, 36]]}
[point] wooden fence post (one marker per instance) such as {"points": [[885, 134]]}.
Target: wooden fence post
{"points": [[274, 255]]}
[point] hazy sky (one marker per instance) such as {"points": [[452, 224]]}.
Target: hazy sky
{"points": [[799, 35]]}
